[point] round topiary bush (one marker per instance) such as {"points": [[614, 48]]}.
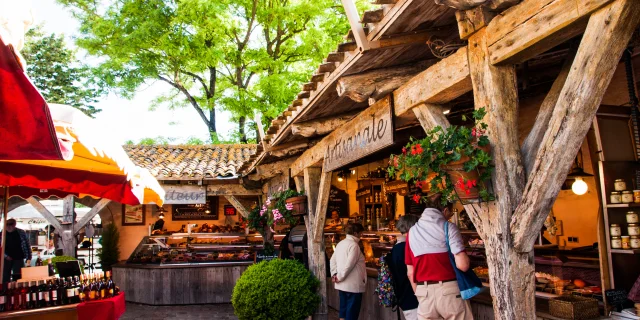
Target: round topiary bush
{"points": [[276, 289]]}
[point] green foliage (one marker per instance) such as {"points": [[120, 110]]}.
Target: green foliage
{"points": [[110, 251], [57, 259], [57, 74], [276, 289], [273, 211], [424, 161], [239, 55]]}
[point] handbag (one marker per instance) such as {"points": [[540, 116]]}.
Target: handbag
{"points": [[468, 282]]}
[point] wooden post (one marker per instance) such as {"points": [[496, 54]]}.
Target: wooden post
{"points": [[67, 236], [238, 205], [92, 213], [315, 186]]}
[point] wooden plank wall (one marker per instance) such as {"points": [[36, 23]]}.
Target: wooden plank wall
{"points": [[175, 286]]}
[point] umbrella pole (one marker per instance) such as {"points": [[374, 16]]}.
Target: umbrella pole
{"points": [[5, 207]]}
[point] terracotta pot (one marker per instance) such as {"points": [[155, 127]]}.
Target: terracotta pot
{"points": [[456, 172], [299, 205]]}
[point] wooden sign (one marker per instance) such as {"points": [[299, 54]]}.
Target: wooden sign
{"points": [[398, 186], [277, 184], [338, 201], [616, 297], [363, 192], [368, 132], [186, 212], [185, 194], [261, 256]]}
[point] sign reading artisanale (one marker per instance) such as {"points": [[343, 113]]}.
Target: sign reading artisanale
{"points": [[367, 133], [278, 183], [185, 194]]}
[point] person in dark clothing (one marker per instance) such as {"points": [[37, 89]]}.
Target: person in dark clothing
{"points": [[407, 300], [286, 247], [17, 250]]}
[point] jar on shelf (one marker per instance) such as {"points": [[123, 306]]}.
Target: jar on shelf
{"points": [[620, 185], [633, 229], [636, 196], [634, 242], [626, 242], [627, 197], [615, 230], [616, 197], [632, 217], [616, 243]]}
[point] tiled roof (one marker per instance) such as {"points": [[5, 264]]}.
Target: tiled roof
{"points": [[191, 162]]}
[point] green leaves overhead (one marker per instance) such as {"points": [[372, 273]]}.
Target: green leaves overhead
{"points": [[239, 55], [57, 74]]}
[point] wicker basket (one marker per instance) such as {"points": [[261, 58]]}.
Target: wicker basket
{"points": [[574, 307]]}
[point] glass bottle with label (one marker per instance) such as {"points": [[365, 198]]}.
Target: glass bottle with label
{"points": [[615, 230], [615, 197], [3, 298], [627, 197], [53, 293], [620, 185], [43, 294], [633, 229], [616, 243], [632, 217], [634, 242], [33, 292]]}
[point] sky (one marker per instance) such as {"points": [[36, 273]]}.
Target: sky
{"points": [[131, 119]]}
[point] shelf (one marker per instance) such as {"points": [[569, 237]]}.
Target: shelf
{"points": [[629, 251], [373, 203], [624, 205]]}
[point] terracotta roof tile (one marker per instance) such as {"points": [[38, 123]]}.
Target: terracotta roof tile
{"points": [[191, 162]]}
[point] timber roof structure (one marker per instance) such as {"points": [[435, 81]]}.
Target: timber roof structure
{"points": [[186, 162]]}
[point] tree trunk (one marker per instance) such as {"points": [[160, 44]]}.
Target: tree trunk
{"points": [[241, 129], [212, 125]]}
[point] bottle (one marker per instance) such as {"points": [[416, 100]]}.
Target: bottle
{"points": [[94, 294], [43, 294], [21, 293], [80, 289], [87, 288], [10, 296], [18, 296], [53, 293], [33, 295], [75, 283], [3, 298], [110, 285], [103, 288], [38, 262]]}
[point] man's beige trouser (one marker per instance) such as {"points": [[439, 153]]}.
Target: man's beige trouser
{"points": [[442, 301]]}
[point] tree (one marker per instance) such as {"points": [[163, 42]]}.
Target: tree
{"points": [[176, 42], [109, 254], [239, 55], [58, 75]]}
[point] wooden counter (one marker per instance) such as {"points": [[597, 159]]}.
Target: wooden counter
{"points": [[178, 284], [52, 313]]}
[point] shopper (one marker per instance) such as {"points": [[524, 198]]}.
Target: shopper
{"points": [[348, 272], [405, 296], [429, 267], [17, 250]]}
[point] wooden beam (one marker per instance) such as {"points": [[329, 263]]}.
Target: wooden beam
{"points": [[68, 209], [92, 213], [604, 40], [380, 2], [304, 95], [46, 214], [440, 83], [463, 4], [470, 21], [310, 86], [327, 67], [238, 205], [347, 47], [431, 116], [373, 16], [319, 77], [321, 206], [334, 57], [378, 83], [320, 127], [270, 170], [310, 158], [356, 27], [533, 141], [231, 190], [535, 26]]}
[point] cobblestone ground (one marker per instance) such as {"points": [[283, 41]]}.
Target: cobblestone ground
{"points": [[193, 312]]}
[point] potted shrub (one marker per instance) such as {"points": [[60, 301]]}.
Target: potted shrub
{"points": [[276, 289], [274, 210], [109, 254], [454, 162], [297, 201]]}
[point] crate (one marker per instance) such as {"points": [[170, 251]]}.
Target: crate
{"points": [[574, 307]]}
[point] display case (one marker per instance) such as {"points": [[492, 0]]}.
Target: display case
{"points": [[198, 248]]}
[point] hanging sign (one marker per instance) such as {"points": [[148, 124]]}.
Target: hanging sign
{"points": [[278, 183], [338, 201], [185, 194], [368, 132], [363, 192], [398, 186]]}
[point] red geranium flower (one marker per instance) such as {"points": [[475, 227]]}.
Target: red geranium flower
{"points": [[404, 150], [471, 183], [419, 184], [395, 162], [416, 149], [416, 198]]}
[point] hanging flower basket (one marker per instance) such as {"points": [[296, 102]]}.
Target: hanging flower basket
{"points": [[298, 205], [454, 162]]}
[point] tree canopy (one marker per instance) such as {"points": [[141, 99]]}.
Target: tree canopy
{"points": [[244, 56], [57, 74]]}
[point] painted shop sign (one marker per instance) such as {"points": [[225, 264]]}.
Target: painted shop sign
{"points": [[363, 192], [398, 186], [185, 194], [186, 212], [367, 133]]}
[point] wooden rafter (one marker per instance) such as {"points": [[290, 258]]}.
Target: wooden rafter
{"points": [[238, 205], [92, 213]]}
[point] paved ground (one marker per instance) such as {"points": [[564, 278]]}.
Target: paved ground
{"points": [[194, 312]]}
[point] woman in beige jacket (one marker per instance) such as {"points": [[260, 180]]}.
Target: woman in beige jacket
{"points": [[349, 273]]}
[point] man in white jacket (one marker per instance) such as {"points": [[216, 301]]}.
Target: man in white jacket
{"points": [[349, 273]]}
